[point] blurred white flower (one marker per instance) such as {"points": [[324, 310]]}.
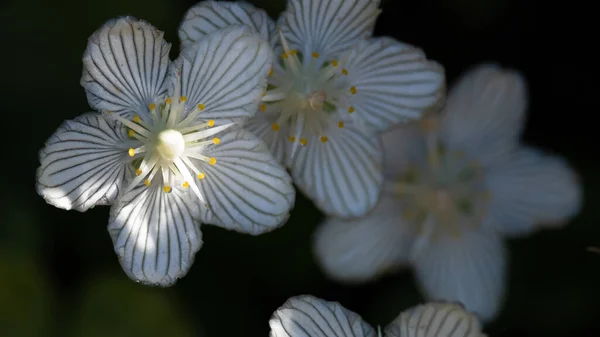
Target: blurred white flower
{"points": [[165, 151], [455, 185], [331, 92], [313, 317]]}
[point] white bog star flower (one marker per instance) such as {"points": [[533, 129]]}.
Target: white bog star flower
{"points": [[308, 316], [165, 151], [331, 91], [457, 183]]}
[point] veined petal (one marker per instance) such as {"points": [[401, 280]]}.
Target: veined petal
{"points": [[225, 71], [394, 82], [485, 112], [469, 269], [343, 175], [328, 27], [155, 234], [246, 189], [531, 188], [125, 66], [209, 16], [435, 319], [310, 316], [261, 126], [361, 249], [404, 147], [83, 164]]}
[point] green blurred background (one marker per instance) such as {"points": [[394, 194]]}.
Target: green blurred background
{"points": [[60, 277]]}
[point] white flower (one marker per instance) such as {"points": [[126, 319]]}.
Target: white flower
{"points": [[164, 151], [313, 317], [455, 189], [330, 94]]}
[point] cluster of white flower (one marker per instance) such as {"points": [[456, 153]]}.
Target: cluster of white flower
{"points": [[207, 138]]}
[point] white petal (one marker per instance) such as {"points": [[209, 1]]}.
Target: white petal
{"points": [[155, 234], [343, 175], [125, 66], [394, 81], [308, 316], [532, 188], [209, 16], [83, 164], [435, 319], [404, 147], [469, 269], [328, 27], [261, 126], [485, 112], [361, 249], [225, 71], [246, 190]]}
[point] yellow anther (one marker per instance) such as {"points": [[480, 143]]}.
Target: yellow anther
{"points": [[201, 106], [185, 184], [293, 52], [167, 188], [340, 124], [212, 161], [353, 90], [131, 152], [136, 119], [292, 139], [275, 127], [315, 55], [131, 133], [201, 175], [284, 55], [216, 140], [350, 110], [334, 63], [147, 182], [263, 94], [263, 107], [324, 139], [271, 72], [138, 172], [182, 99], [211, 122], [152, 106], [345, 71], [303, 141], [168, 100]]}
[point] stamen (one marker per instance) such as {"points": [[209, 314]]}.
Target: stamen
{"points": [[201, 175], [334, 63], [291, 62], [303, 141], [138, 172], [212, 161], [275, 127], [315, 55], [131, 133], [340, 124], [353, 90], [263, 107], [345, 71], [324, 139], [167, 189], [292, 139], [185, 184], [350, 110], [137, 128]]}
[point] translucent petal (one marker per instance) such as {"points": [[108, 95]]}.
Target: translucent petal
{"points": [[394, 82], [125, 66], [435, 319], [361, 249], [343, 175], [308, 316], [485, 113], [246, 189], [226, 72], [469, 269], [404, 147], [531, 188], [261, 126], [328, 27], [209, 16], [155, 234], [83, 164]]}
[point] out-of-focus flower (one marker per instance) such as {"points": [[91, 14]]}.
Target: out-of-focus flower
{"points": [[313, 317], [456, 184], [332, 90], [165, 151]]}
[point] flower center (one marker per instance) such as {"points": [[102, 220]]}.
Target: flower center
{"points": [[170, 144]]}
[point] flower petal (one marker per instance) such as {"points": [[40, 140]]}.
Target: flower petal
{"points": [[342, 175], [155, 234], [83, 164], [435, 319], [404, 148], [328, 27], [531, 188], [394, 82], [226, 72], [485, 112], [261, 126], [246, 189], [469, 269], [310, 316], [209, 16], [361, 249], [125, 66]]}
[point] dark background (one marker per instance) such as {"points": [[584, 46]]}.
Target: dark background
{"points": [[60, 277]]}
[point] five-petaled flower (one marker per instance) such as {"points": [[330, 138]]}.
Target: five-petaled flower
{"points": [[332, 89], [165, 151], [458, 183], [310, 316]]}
